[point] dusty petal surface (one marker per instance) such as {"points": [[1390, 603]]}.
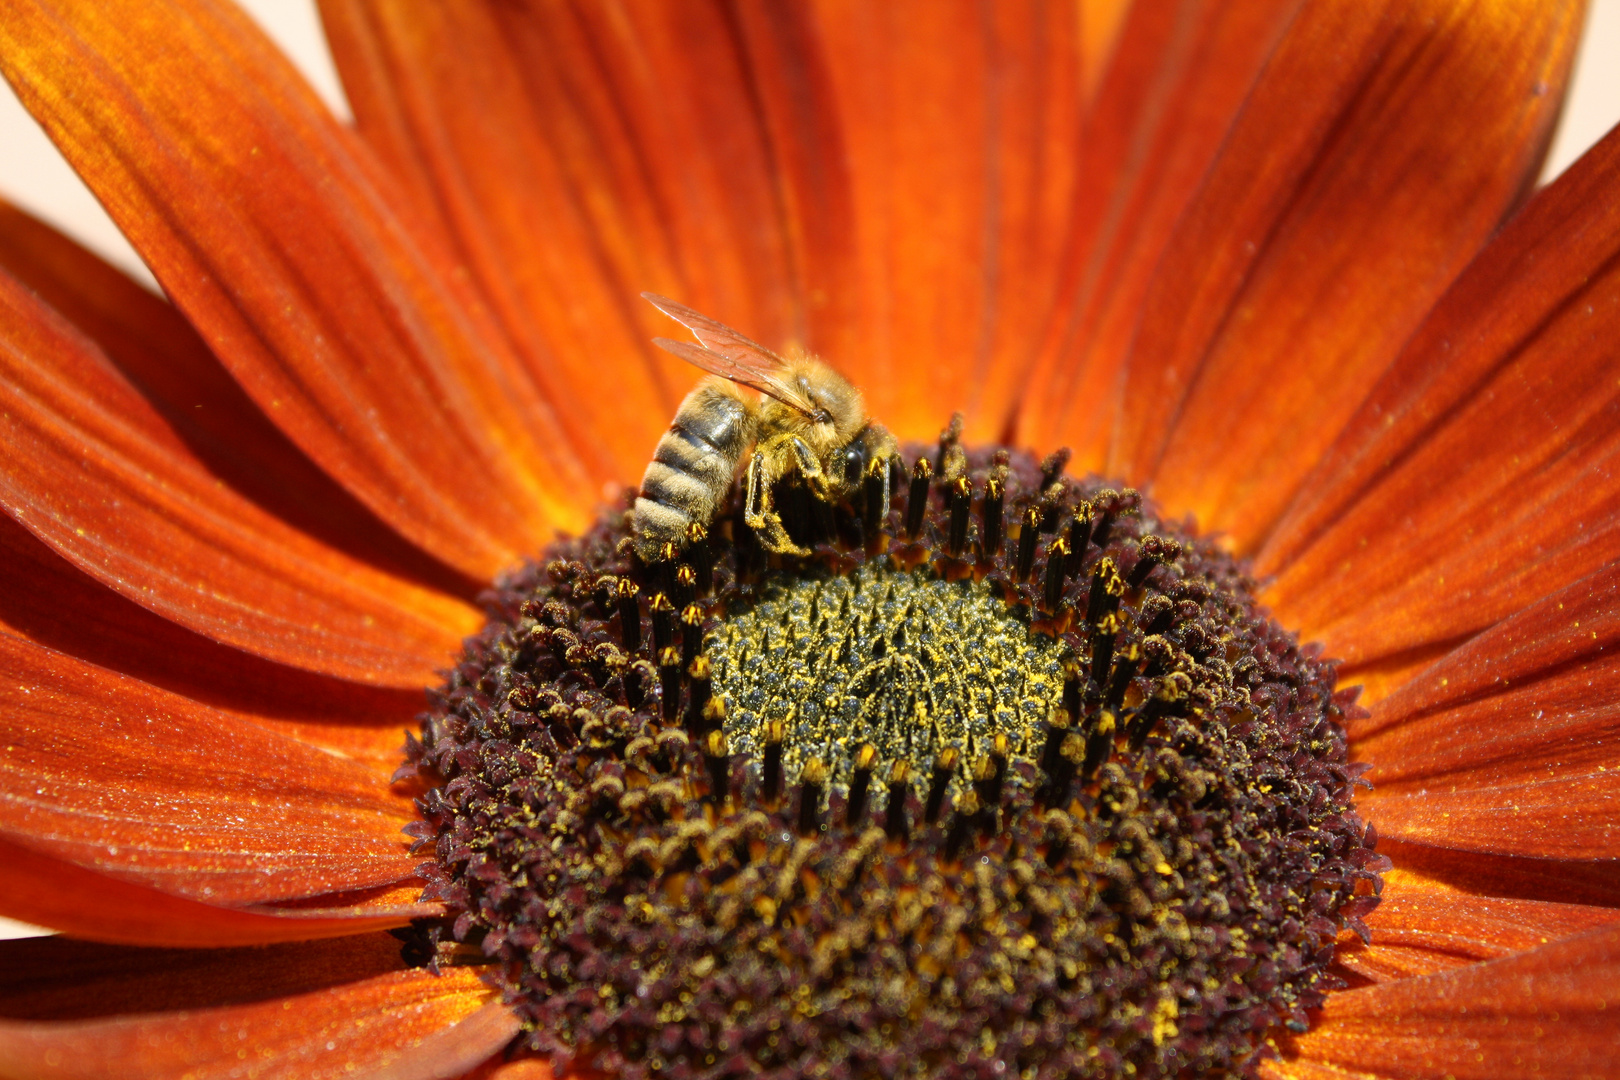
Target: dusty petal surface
{"points": [[295, 256]]}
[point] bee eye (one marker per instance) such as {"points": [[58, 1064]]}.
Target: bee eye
{"points": [[854, 463]]}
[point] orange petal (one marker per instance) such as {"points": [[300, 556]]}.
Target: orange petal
{"points": [[1422, 926], [1381, 146], [1508, 744], [1176, 81], [1480, 475], [885, 184], [445, 95], [1102, 22], [95, 472], [1573, 815], [144, 785], [56, 978], [1546, 1012], [158, 351], [333, 1009], [632, 140], [1482, 874], [960, 126], [1275, 1069], [522, 1069], [46, 600], [290, 250], [47, 891], [1535, 696]]}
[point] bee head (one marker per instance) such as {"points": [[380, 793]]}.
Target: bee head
{"points": [[837, 404]]}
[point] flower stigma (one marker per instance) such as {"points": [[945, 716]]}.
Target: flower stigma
{"points": [[1008, 777]]}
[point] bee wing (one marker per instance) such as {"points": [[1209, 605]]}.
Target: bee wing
{"points": [[724, 352]]}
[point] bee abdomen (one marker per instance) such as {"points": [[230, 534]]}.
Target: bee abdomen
{"points": [[692, 467]]}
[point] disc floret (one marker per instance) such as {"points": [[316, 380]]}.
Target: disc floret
{"points": [[1007, 775]]}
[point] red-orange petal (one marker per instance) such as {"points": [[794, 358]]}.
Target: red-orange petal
{"points": [[1516, 876], [159, 352], [446, 97], [1536, 694], [1380, 147], [46, 600], [1422, 926], [886, 185], [1102, 22], [1575, 815], [273, 229], [1480, 475], [960, 124], [95, 472], [1546, 1012], [60, 978], [522, 1069], [338, 1009], [1176, 80], [108, 772], [48, 891]]}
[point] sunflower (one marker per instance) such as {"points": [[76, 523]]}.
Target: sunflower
{"points": [[1278, 265]]}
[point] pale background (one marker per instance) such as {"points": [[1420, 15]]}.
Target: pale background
{"points": [[34, 177]]}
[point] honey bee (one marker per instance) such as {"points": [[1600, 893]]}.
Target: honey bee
{"points": [[809, 419]]}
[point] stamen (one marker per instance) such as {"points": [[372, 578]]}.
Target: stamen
{"points": [[1120, 682], [1053, 464], [1106, 590], [663, 623], [917, 497], [770, 784], [991, 776], [1102, 648], [960, 502], [895, 825], [1060, 777], [683, 590], [669, 681], [855, 809], [990, 517], [698, 691], [939, 782], [691, 634], [637, 678], [1168, 698], [950, 438], [812, 786], [1057, 562], [1057, 729], [963, 826], [1026, 545], [1079, 537], [875, 514], [717, 758], [699, 557], [629, 615], [1099, 742], [1154, 551]]}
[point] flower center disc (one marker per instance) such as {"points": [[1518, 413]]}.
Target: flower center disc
{"points": [[1009, 777], [904, 662]]}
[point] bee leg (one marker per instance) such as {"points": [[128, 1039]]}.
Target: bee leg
{"points": [[757, 510], [810, 468]]}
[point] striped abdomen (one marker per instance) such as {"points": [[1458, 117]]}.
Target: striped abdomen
{"points": [[693, 466]]}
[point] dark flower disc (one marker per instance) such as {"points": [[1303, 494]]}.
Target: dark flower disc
{"points": [[1008, 778]]}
